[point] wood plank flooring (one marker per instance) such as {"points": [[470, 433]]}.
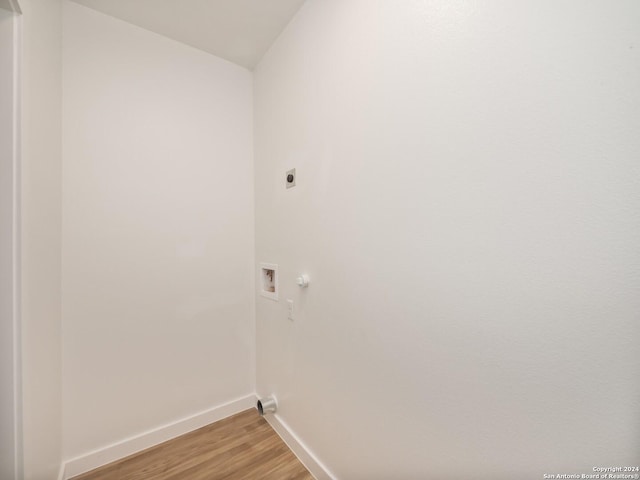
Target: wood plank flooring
{"points": [[243, 446]]}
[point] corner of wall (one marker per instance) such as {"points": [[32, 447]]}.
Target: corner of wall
{"points": [[40, 231]]}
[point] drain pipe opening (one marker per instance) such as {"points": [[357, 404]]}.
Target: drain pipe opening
{"points": [[266, 405]]}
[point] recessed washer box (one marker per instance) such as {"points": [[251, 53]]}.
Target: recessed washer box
{"points": [[268, 281]]}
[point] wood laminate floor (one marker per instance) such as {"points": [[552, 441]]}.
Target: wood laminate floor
{"points": [[243, 446]]}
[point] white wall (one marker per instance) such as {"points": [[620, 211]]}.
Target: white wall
{"points": [[10, 383], [157, 231], [467, 210], [40, 235]]}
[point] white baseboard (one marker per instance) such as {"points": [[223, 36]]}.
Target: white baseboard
{"points": [[137, 443], [308, 459]]}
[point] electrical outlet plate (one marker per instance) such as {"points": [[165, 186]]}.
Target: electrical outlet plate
{"points": [[291, 183], [290, 309]]}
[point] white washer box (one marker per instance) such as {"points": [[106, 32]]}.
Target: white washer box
{"points": [[269, 280]]}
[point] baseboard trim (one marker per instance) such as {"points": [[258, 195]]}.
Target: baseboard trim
{"points": [[297, 446], [137, 443]]}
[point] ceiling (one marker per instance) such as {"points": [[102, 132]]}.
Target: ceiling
{"points": [[10, 5], [238, 30]]}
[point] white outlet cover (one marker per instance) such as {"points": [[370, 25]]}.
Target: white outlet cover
{"points": [[286, 178], [290, 309]]}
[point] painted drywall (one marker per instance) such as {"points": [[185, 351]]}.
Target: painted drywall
{"points": [[467, 210], [40, 242], [237, 30], [10, 389], [158, 235]]}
